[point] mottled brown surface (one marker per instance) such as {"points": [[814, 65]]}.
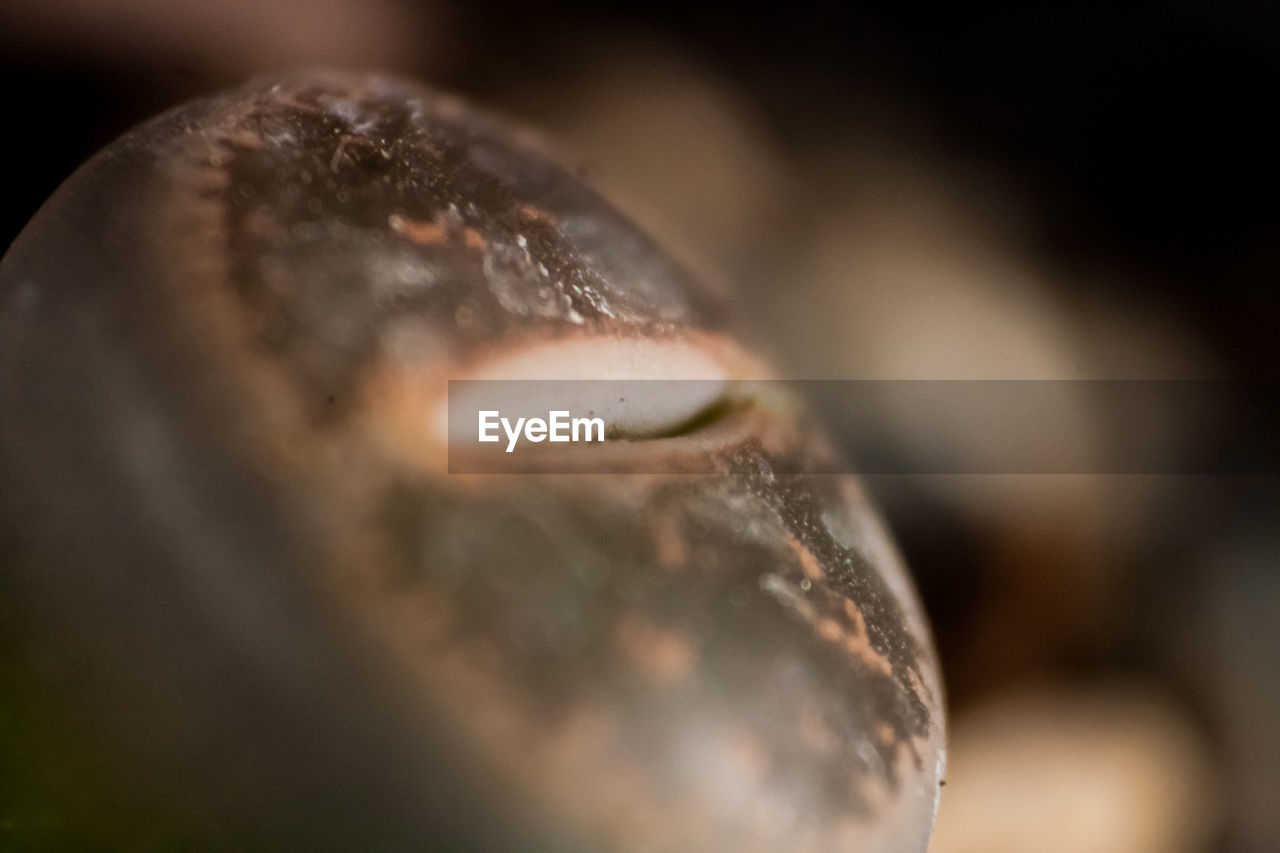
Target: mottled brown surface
{"points": [[219, 340]]}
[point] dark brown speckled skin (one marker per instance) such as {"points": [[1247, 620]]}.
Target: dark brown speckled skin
{"points": [[274, 621]]}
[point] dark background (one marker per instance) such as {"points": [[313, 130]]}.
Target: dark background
{"points": [[1147, 129], [898, 190]]}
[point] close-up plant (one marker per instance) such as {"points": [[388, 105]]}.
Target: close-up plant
{"points": [[428, 426]]}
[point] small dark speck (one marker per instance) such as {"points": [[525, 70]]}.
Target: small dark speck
{"points": [[942, 783], [622, 399], [330, 399]]}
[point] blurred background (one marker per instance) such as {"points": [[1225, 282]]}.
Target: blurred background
{"points": [[893, 191]]}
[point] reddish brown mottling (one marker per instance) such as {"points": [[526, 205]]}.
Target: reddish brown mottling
{"points": [[219, 344]]}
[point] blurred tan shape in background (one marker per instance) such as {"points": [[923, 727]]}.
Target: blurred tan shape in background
{"points": [[1104, 768]]}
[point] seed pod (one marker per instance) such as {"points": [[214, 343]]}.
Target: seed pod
{"points": [[246, 605]]}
